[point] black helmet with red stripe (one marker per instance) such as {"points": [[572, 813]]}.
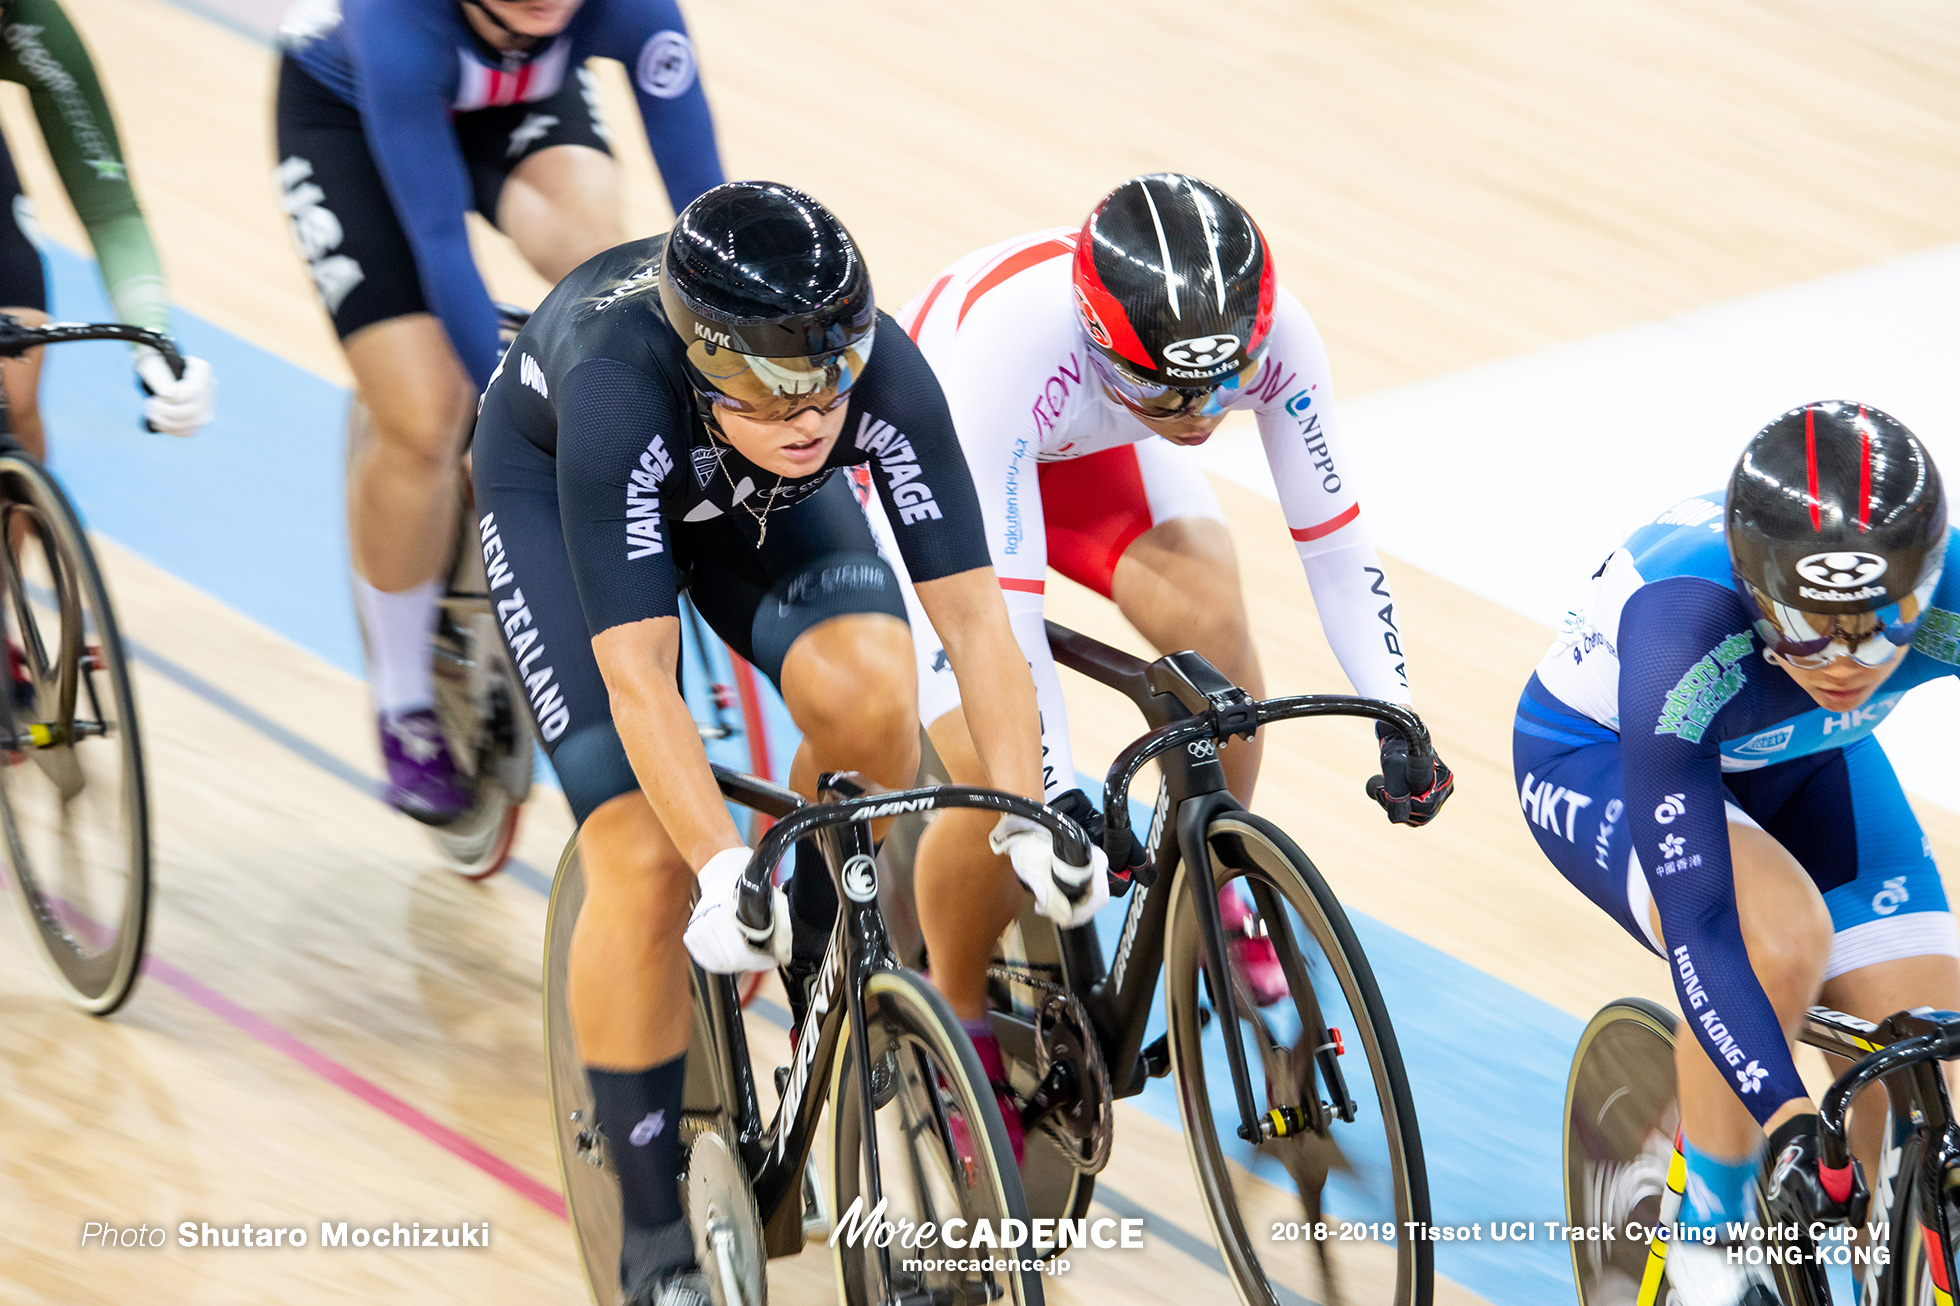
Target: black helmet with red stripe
{"points": [[1837, 533], [1174, 283]]}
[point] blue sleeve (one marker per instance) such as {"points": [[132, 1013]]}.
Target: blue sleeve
{"points": [[404, 64], [650, 38], [1685, 654]]}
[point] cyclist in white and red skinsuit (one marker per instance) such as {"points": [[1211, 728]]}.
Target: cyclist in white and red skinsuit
{"points": [[1070, 476]]}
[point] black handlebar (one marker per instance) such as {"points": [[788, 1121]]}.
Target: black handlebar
{"points": [[16, 339], [753, 907], [1941, 1042], [1226, 719]]}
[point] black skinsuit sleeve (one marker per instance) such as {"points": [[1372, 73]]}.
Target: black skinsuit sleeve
{"points": [[916, 461], [617, 428]]}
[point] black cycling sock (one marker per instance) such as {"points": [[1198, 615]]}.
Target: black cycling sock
{"points": [[812, 905], [640, 1111]]}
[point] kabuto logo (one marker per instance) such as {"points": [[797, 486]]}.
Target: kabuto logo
{"points": [[1842, 570], [1201, 353]]}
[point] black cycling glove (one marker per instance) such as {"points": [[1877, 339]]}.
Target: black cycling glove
{"points": [[1408, 799], [1798, 1188], [1126, 857]]}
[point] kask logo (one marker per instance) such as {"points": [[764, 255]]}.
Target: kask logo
{"points": [[1201, 351], [1842, 570]]}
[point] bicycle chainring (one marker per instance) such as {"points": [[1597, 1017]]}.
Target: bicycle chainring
{"points": [[1084, 1127], [721, 1210]]}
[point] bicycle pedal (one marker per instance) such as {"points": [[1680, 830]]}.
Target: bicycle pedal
{"points": [[782, 1081]]}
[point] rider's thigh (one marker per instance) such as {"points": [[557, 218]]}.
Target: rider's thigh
{"points": [[1785, 925], [852, 677], [631, 865], [419, 399], [1178, 584], [561, 206]]}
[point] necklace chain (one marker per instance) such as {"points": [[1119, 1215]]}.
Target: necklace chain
{"points": [[769, 503]]}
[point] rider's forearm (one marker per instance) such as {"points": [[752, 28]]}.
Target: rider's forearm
{"points": [[994, 685], [664, 747]]}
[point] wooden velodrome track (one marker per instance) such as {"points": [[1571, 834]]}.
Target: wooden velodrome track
{"points": [[337, 1029]]}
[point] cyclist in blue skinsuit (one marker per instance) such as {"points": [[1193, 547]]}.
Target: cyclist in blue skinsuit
{"points": [[1695, 754], [395, 119]]}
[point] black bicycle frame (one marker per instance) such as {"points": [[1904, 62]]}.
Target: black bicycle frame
{"points": [[1193, 709], [776, 1152], [1904, 1053]]}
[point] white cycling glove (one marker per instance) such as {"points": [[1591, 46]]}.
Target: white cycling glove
{"points": [[176, 405], [715, 939], [1036, 864]]}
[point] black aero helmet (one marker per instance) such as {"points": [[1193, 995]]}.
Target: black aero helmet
{"points": [[771, 298], [1837, 533], [1175, 287]]}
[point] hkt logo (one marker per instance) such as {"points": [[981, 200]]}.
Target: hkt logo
{"points": [[1841, 571], [1201, 351]]}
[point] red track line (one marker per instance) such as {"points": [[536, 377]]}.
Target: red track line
{"points": [[365, 1089]]}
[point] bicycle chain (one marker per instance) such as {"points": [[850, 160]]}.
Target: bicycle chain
{"points": [[1093, 1073]]}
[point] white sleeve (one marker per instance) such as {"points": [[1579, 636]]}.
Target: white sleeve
{"points": [[1350, 590]]}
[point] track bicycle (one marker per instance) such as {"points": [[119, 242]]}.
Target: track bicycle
{"points": [[915, 1126], [72, 794], [1624, 1171], [1286, 1138]]}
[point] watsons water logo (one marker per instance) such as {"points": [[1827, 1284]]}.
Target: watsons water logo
{"points": [[1770, 741]]}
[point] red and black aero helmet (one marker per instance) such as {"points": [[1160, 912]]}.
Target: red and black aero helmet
{"points": [[1837, 533], [1174, 282]]}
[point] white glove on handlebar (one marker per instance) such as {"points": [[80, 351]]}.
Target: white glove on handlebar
{"points": [[177, 405], [1031, 848], [715, 938]]}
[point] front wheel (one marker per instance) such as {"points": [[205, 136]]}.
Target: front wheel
{"points": [[1267, 1203], [72, 793], [1621, 1118], [943, 1155]]}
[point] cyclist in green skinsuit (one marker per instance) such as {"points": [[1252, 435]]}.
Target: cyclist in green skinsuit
{"points": [[41, 50]]}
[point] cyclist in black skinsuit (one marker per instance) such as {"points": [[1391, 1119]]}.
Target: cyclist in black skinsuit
{"points": [[670, 418]]}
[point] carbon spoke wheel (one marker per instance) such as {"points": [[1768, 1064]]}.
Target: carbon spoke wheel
{"points": [[484, 717], [943, 1153], [592, 1194], [72, 794], [1621, 1116], [1276, 1209]]}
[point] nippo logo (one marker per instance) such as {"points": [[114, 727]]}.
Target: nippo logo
{"points": [[1841, 571], [1201, 351], [860, 879]]}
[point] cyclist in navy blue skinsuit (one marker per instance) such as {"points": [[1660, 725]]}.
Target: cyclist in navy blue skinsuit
{"points": [[395, 119], [1695, 754]]}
